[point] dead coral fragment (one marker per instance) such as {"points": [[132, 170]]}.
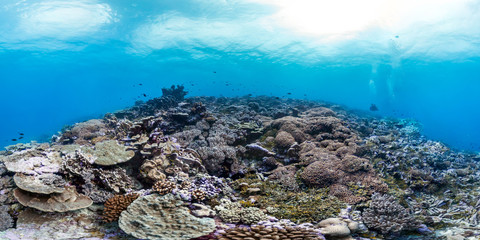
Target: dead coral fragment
{"points": [[264, 233], [164, 187], [116, 205], [69, 200]]}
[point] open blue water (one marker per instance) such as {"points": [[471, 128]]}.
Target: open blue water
{"points": [[67, 61]]}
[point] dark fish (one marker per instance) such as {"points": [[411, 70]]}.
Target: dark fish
{"points": [[140, 84], [373, 107], [144, 95], [277, 98], [20, 138], [305, 95], [289, 93], [214, 71], [21, 134], [14, 140]]}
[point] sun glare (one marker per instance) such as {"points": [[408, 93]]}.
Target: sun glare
{"points": [[340, 17]]}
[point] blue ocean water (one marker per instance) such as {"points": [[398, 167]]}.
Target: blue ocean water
{"points": [[67, 61]]}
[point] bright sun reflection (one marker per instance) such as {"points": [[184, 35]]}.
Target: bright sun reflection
{"points": [[327, 17], [341, 19]]}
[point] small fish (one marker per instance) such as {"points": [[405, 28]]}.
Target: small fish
{"points": [[21, 134], [145, 95], [214, 71], [14, 140], [20, 138], [140, 84], [289, 93], [304, 95], [277, 98], [373, 107]]}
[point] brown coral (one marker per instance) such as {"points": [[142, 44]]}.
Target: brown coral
{"points": [[164, 187], [268, 233], [198, 195], [116, 205], [284, 140], [322, 174]]}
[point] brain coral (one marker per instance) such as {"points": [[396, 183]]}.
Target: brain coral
{"points": [[163, 217]]}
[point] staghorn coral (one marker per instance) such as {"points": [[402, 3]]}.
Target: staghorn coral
{"points": [[269, 233], [386, 215], [114, 206]]}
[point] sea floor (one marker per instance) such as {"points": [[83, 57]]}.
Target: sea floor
{"points": [[239, 168]]}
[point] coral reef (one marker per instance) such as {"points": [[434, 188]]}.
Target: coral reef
{"points": [[197, 166], [163, 217]]}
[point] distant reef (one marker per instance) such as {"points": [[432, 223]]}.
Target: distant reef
{"points": [[239, 168]]}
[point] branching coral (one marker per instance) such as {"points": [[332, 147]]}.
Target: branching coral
{"points": [[116, 205], [386, 215]]}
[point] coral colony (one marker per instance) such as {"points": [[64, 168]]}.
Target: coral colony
{"points": [[249, 168]]}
